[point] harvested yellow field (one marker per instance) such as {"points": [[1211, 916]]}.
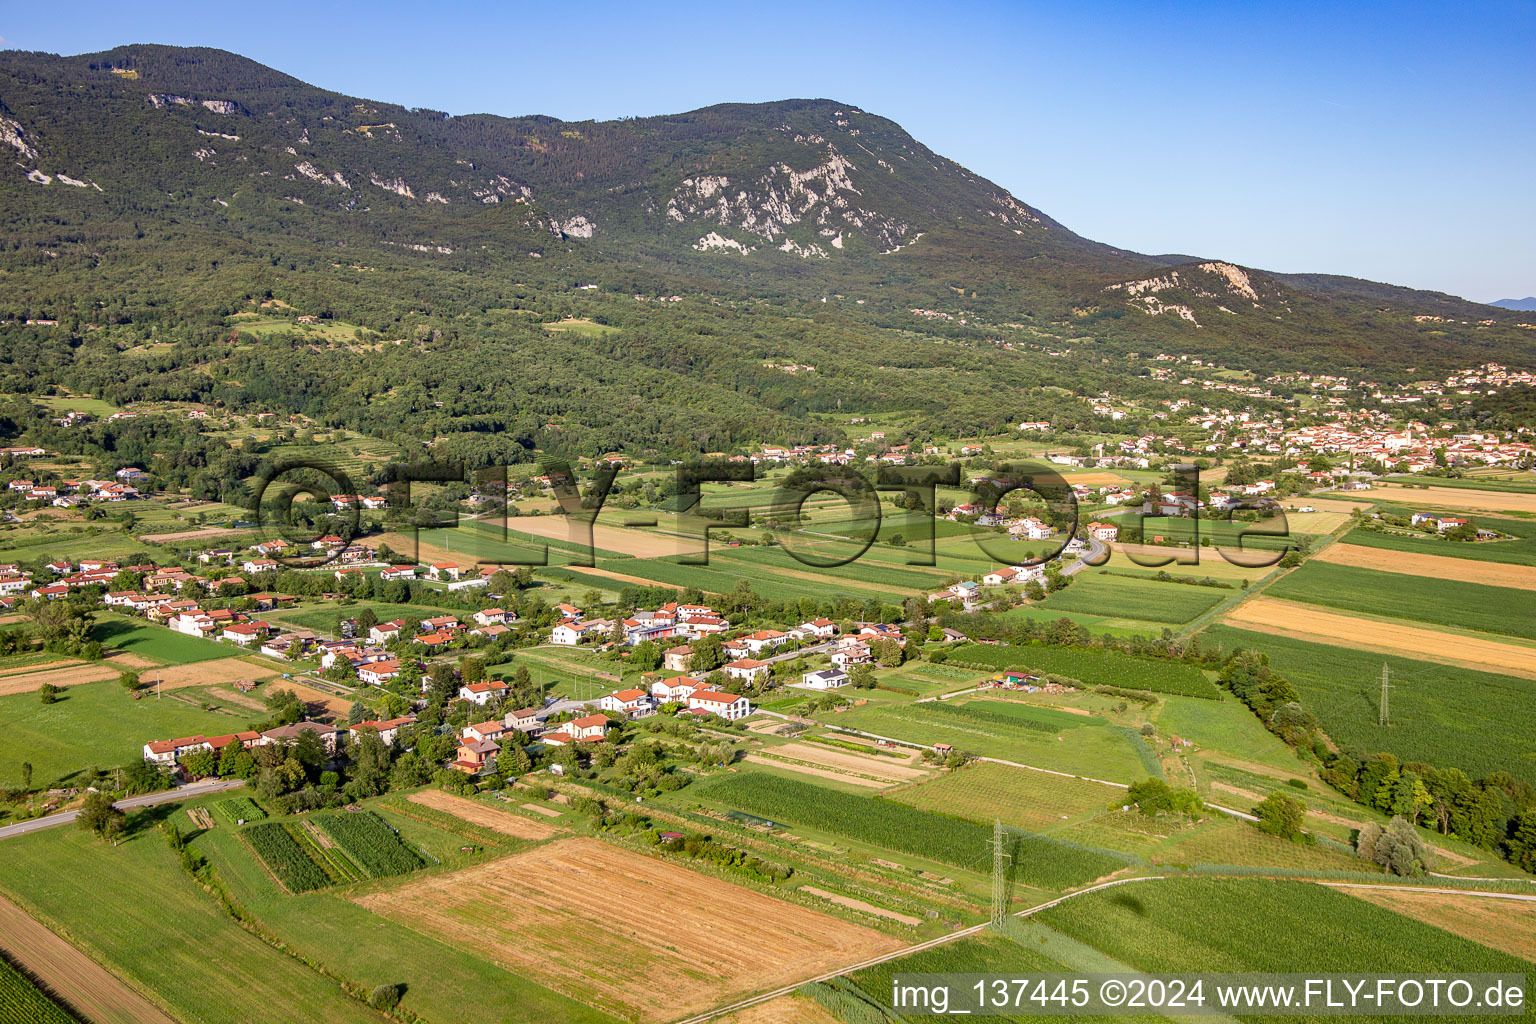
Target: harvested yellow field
{"points": [[506, 823], [207, 673], [1098, 479], [1306, 622], [557, 914], [1318, 522], [1463, 498], [1509, 925], [1440, 567], [640, 543], [68, 675]]}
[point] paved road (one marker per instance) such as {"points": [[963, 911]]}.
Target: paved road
{"points": [[187, 792]]}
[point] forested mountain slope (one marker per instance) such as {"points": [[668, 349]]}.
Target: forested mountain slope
{"points": [[155, 192]]}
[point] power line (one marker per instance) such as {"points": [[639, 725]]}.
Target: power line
{"points": [[1385, 717]]}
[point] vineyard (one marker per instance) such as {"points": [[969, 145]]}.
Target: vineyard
{"points": [[1094, 667], [1039, 861], [370, 843], [287, 856], [22, 1003], [238, 809], [1022, 716]]}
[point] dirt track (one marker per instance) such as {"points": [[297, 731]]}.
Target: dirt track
{"points": [[1440, 567], [1306, 622], [88, 987]]}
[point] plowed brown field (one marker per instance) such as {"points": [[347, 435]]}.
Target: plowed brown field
{"points": [[100, 996], [642, 937], [506, 823]]}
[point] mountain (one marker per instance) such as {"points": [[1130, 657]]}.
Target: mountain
{"points": [[1527, 304], [157, 194]]}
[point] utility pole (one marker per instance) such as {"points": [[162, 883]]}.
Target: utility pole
{"points": [[1386, 685], [1001, 861]]}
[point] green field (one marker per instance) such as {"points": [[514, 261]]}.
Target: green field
{"points": [[1181, 925], [1094, 750], [328, 929], [1021, 798], [1129, 597], [158, 644], [1420, 598], [96, 724], [158, 929], [1211, 924], [1520, 551], [1476, 721], [948, 840], [1094, 666], [324, 619], [370, 843]]}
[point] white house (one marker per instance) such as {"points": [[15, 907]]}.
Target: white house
{"points": [[387, 729], [1103, 531], [766, 640], [851, 653], [726, 705], [746, 668], [626, 702], [825, 679], [379, 672], [482, 693], [675, 688]]}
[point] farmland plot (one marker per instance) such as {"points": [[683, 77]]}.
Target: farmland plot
{"points": [[1209, 924], [1435, 566], [476, 813], [1040, 861], [1093, 666], [22, 1003], [1479, 722], [1445, 602], [552, 913], [1020, 797], [1311, 623]]}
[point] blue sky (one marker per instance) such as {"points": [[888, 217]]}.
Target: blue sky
{"points": [[1392, 141]]}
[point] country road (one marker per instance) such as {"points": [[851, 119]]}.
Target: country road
{"points": [[187, 792]]}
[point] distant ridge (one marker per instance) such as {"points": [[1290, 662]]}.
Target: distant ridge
{"points": [[1527, 304]]}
